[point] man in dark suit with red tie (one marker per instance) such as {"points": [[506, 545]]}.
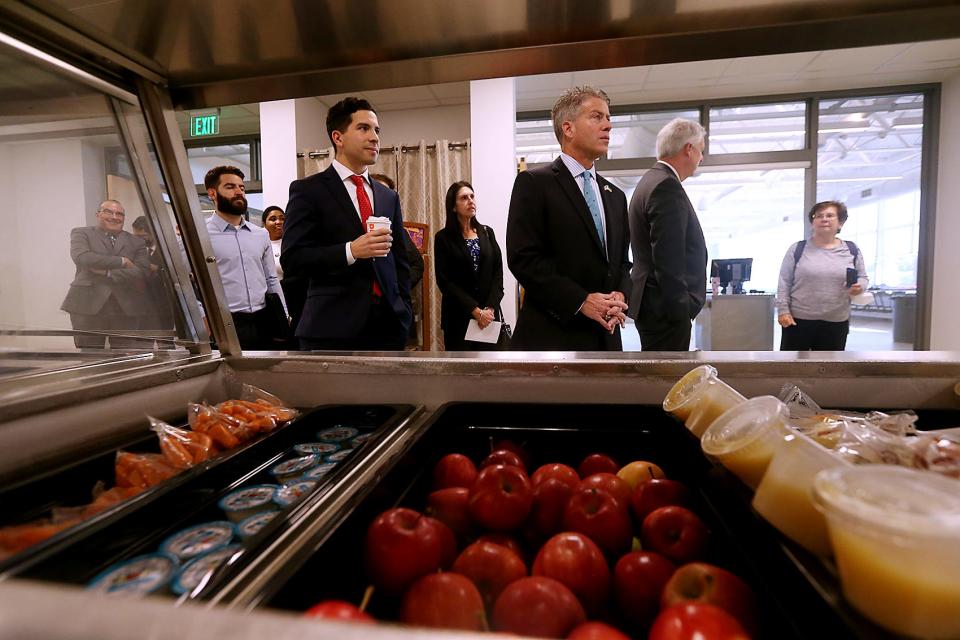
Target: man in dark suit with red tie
{"points": [[108, 295], [567, 237], [359, 292]]}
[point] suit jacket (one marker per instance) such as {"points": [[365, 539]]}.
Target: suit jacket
{"points": [[91, 249], [669, 252], [554, 251], [463, 289], [320, 220]]}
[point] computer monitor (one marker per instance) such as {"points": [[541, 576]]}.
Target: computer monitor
{"points": [[731, 271]]}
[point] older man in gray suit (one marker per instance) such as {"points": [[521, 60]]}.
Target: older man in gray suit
{"points": [[108, 295]]}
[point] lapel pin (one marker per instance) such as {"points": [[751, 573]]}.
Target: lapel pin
{"points": [[607, 188]]}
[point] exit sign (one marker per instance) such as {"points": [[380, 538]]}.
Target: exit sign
{"points": [[204, 125]]}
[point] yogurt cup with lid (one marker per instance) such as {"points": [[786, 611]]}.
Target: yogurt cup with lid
{"points": [[290, 469], [199, 539], [293, 491], [246, 501], [318, 448], [338, 433], [744, 438], [136, 577], [895, 534], [201, 568], [251, 526], [319, 471]]}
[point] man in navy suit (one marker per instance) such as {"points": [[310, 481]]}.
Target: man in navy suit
{"points": [[359, 292], [670, 275], [567, 237]]}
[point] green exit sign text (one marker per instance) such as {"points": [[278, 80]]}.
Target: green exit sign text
{"points": [[205, 125]]}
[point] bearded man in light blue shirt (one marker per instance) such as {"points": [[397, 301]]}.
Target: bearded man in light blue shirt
{"points": [[245, 259]]}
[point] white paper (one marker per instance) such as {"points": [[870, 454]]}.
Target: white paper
{"points": [[490, 335]]}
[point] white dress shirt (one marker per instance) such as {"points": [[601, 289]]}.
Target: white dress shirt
{"points": [[345, 175]]}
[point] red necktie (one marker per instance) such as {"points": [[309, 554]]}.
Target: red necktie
{"points": [[366, 210]]}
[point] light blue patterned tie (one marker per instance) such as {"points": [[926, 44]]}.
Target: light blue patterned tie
{"points": [[591, 197]]}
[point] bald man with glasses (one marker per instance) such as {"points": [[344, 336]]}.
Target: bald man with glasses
{"points": [[108, 294]]}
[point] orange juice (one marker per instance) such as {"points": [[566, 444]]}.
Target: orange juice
{"points": [[896, 536], [745, 437]]}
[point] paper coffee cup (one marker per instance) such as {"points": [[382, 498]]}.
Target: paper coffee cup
{"points": [[378, 222]]}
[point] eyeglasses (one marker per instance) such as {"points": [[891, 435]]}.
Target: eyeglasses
{"points": [[827, 215], [112, 213]]}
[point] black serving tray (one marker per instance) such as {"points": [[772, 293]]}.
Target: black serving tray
{"points": [[139, 525], [791, 604]]}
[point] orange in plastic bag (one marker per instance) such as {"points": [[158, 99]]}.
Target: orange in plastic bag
{"points": [[264, 402], [250, 414], [18, 537], [182, 448], [142, 470], [226, 431], [108, 499]]}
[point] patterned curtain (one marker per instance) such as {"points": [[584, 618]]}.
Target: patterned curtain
{"points": [[423, 173]]}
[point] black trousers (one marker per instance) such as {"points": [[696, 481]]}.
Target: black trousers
{"points": [[382, 332], [815, 335], [670, 337], [254, 330]]}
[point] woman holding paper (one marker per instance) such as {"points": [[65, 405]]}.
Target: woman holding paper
{"points": [[469, 270]]}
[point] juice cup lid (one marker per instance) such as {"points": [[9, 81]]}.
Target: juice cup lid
{"points": [[685, 389], [895, 499], [743, 424]]}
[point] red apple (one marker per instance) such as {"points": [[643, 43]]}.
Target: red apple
{"points": [[610, 483], [574, 560], [491, 567], [655, 493], [708, 584], [500, 498], [597, 463], [675, 532], [696, 621], [444, 601], [504, 541], [510, 445], [639, 471], [502, 456], [339, 611], [638, 581], [403, 545], [599, 516], [537, 606], [550, 499], [450, 506], [596, 631], [454, 470], [561, 472]]}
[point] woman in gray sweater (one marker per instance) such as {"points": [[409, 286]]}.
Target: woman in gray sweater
{"points": [[817, 279]]}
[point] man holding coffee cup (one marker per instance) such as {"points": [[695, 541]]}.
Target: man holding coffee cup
{"points": [[339, 231]]}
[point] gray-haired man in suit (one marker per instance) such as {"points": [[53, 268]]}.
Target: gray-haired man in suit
{"points": [[109, 292]]}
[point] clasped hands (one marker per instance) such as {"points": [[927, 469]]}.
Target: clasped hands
{"points": [[372, 244], [608, 309], [483, 316]]}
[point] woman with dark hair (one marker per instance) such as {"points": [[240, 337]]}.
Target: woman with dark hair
{"points": [[817, 279], [272, 221], [469, 268]]}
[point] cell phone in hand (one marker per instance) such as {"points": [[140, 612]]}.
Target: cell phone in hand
{"points": [[851, 277]]}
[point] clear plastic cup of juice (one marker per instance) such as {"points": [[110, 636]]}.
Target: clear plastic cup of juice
{"points": [[895, 533], [716, 398], [745, 437], [785, 495], [683, 396]]}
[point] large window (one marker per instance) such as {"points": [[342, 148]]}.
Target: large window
{"points": [[764, 168]]}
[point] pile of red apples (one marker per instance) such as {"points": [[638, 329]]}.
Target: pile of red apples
{"points": [[600, 552]]}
